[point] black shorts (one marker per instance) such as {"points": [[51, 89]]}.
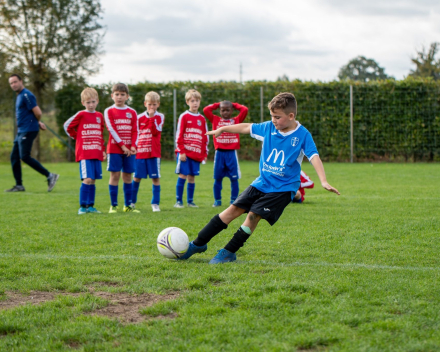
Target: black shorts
{"points": [[269, 206]]}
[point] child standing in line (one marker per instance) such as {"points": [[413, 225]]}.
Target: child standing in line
{"points": [[121, 122], [148, 154], [87, 127], [191, 147], [226, 158], [285, 142]]}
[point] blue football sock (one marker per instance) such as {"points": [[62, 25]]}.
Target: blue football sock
{"points": [[190, 187], [127, 194], [156, 195], [179, 189], [218, 189], [83, 195], [113, 195], [135, 189], [234, 190], [92, 192]]}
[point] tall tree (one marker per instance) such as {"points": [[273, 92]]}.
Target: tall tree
{"points": [[54, 40], [426, 64], [362, 69]]}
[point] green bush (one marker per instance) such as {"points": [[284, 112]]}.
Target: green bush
{"points": [[393, 120]]}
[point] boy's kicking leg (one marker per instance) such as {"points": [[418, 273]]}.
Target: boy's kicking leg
{"points": [[217, 224], [227, 254]]}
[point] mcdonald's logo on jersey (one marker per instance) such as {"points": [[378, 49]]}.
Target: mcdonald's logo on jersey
{"points": [[276, 154]]}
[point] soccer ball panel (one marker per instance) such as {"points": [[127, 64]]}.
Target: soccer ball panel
{"points": [[172, 242]]}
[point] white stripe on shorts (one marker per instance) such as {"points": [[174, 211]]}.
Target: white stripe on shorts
{"points": [[178, 164], [83, 169], [238, 165], [158, 167]]}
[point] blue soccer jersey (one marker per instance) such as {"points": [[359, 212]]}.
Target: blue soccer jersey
{"points": [[281, 156]]}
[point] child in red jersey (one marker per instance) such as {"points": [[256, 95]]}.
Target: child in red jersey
{"points": [[191, 147], [306, 182], [86, 127], [121, 122], [148, 154], [226, 158]]}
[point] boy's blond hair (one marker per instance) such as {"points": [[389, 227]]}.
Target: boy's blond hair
{"points": [[192, 93], [120, 87], [88, 94], [153, 97]]}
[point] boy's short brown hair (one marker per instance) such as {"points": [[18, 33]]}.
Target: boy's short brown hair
{"points": [[89, 93], [120, 87], [153, 97], [285, 102], [192, 93]]}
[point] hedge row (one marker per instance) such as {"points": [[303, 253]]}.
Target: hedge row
{"points": [[393, 120]]}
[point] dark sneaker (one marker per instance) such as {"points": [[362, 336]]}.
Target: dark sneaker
{"points": [[193, 249], [16, 188], [51, 181], [223, 256]]}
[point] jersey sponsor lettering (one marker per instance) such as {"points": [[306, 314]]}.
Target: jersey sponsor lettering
{"points": [[149, 135], [281, 157], [190, 140], [122, 128], [229, 141], [276, 154], [93, 125], [88, 134]]}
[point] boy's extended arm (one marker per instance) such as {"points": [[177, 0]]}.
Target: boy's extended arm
{"points": [[207, 111], [243, 111], [243, 128], [317, 164]]}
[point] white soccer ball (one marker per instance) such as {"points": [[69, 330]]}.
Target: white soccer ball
{"points": [[172, 242]]}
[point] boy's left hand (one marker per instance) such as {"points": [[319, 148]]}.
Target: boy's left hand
{"points": [[104, 155], [329, 188], [133, 150]]}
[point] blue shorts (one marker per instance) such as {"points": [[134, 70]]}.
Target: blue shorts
{"points": [[118, 162], [226, 164], [188, 167], [90, 168], [147, 168]]}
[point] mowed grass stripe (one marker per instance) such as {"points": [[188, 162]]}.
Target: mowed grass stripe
{"points": [[239, 261]]}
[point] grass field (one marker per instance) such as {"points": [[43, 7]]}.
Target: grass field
{"points": [[358, 272]]}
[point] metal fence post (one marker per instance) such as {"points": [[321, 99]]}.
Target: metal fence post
{"points": [[174, 118], [261, 104], [351, 124]]}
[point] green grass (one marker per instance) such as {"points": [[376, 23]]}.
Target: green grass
{"points": [[358, 272]]}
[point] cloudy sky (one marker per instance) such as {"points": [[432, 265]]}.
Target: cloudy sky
{"points": [[165, 40]]}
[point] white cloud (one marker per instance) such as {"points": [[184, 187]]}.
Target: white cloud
{"points": [[309, 40]]}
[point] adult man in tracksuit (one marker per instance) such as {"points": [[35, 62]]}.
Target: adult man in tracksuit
{"points": [[28, 115]]}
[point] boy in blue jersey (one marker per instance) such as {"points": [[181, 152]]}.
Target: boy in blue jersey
{"points": [[285, 142]]}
